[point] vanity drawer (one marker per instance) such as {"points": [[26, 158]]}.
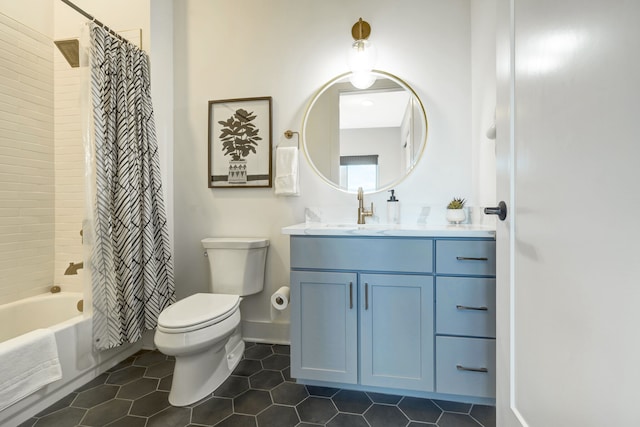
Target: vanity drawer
{"points": [[360, 253], [466, 306], [468, 257], [466, 366]]}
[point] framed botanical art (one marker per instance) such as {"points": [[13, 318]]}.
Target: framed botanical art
{"points": [[240, 143]]}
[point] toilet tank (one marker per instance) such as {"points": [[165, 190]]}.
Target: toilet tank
{"points": [[237, 264]]}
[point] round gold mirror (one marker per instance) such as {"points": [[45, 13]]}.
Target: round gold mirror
{"points": [[370, 138]]}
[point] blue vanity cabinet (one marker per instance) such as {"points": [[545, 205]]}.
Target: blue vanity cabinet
{"points": [[395, 313], [362, 311], [396, 331], [324, 326]]}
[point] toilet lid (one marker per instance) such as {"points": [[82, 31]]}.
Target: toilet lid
{"points": [[197, 311]]}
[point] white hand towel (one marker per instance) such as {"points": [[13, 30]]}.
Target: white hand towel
{"points": [[286, 181], [29, 362]]}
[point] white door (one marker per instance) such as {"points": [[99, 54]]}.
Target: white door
{"points": [[568, 143]]}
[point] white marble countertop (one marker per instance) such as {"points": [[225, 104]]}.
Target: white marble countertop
{"points": [[404, 230]]}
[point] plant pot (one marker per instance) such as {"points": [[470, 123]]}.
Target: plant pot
{"points": [[237, 172], [456, 216]]}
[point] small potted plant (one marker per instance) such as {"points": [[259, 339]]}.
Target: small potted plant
{"points": [[455, 210]]}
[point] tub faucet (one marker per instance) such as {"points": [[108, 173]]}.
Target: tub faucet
{"points": [[73, 268], [362, 211]]}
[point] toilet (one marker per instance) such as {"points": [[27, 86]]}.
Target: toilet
{"points": [[203, 330]]}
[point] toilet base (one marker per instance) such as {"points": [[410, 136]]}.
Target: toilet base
{"points": [[190, 380]]}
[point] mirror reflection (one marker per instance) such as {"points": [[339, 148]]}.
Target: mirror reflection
{"points": [[370, 138]]}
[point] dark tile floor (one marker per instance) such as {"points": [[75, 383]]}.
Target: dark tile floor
{"points": [[260, 393]]}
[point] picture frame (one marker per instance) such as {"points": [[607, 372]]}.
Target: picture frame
{"points": [[240, 143]]}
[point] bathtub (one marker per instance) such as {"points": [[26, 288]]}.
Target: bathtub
{"points": [[72, 329]]}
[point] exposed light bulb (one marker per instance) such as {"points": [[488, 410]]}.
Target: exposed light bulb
{"points": [[362, 79], [362, 56]]}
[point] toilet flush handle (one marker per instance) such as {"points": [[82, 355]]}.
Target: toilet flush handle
{"points": [[205, 254]]}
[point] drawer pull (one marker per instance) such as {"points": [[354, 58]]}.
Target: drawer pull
{"points": [[350, 295], [468, 258], [466, 307], [366, 296], [465, 368]]}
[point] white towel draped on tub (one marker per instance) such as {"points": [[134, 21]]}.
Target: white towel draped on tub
{"points": [[28, 363], [287, 171]]}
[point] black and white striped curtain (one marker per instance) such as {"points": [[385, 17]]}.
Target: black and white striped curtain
{"points": [[131, 265]]}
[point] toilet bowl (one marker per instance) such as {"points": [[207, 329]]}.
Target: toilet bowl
{"points": [[203, 331], [197, 331]]}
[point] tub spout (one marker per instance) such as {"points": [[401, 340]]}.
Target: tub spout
{"points": [[73, 268]]}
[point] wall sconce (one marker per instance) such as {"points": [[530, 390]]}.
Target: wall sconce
{"points": [[362, 56]]}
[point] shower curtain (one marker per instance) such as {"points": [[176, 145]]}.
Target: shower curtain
{"points": [[131, 269]]}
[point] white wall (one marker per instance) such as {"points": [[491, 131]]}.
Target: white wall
{"points": [[483, 65], [35, 14], [26, 157], [288, 49], [161, 52]]}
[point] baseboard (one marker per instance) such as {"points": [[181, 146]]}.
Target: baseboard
{"points": [[147, 340], [265, 332]]}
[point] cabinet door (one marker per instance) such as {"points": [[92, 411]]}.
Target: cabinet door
{"points": [[396, 314], [324, 326]]}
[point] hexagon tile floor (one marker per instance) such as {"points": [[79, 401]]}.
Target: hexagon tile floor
{"points": [[260, 393]]}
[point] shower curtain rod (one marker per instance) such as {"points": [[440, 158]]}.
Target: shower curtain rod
{"points": [[93, 19]]}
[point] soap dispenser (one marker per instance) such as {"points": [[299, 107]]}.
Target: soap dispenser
{"points": [[393, 209]]}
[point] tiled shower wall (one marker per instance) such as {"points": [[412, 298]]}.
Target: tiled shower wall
{"points": [[69, 169], [41, 188], [27, 175]]}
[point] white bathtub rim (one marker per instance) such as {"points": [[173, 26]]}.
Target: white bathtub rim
{"points": [[45, 295], [62, 315]]}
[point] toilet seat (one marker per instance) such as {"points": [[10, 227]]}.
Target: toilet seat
{"points": [[197, 311]]}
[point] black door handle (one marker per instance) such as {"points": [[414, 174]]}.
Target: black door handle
{"points": [[500, 210]]}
